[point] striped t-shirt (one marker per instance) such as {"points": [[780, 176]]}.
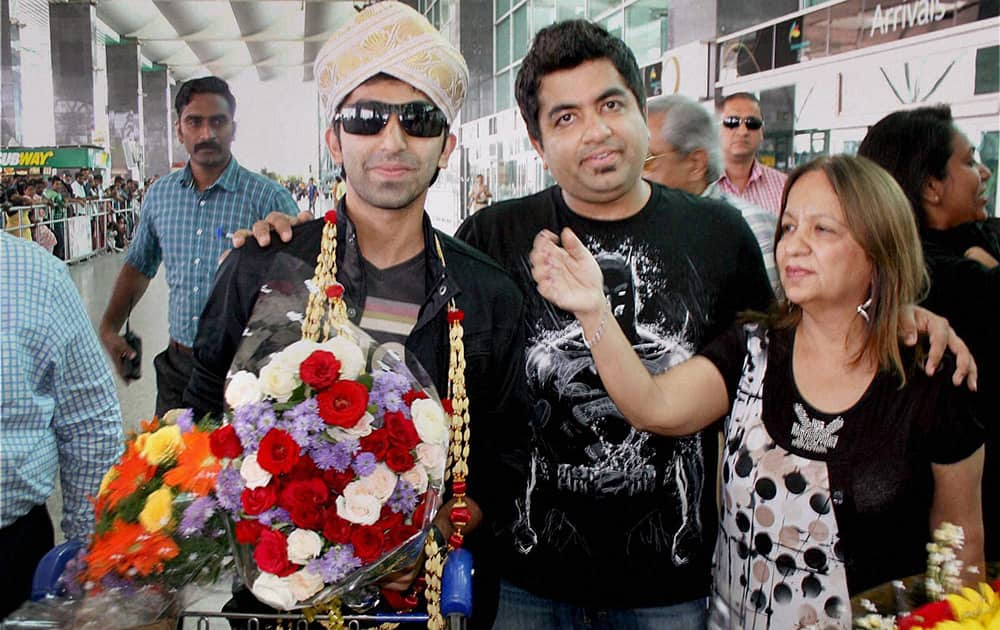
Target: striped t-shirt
{"points": [[395, 295]]}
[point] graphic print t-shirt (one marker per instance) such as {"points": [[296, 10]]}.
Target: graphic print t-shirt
{"points": [[612, 516]]}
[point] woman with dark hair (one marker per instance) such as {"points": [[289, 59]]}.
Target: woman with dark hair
{"points": [[935, 164], [841, 454]]}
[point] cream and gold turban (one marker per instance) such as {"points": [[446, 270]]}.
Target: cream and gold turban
{"points": [[391, 37]]}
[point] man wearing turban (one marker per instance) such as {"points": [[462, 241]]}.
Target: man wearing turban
{"points": [[390, 87]]}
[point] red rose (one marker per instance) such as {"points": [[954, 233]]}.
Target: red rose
{"points": [[367, 543], [320, 370], [400, 430], [418, 514], [336, 529], [376, 443], [278, 452], [257, 500], [397, 536], [412, 395], [308, 517], [301, 495], [398, 459], [343, 404], [305, 468], [248, 531], [387, 519], [337, 481], [271, 553], [225, 443], [330, 216], [456, 315]]}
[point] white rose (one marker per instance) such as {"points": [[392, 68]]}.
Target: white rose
{"points": [[362, 509], [274, 591], [252, 473], [416, 477], [358, 431], [279, 379], [431, 457], [380, 483], [303, 546], [243, 389], [293, 355], [430, 421], [304, 584], [352, 360]]}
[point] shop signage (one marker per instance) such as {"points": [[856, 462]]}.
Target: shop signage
{"points": [[906, 16], [53, 157]]}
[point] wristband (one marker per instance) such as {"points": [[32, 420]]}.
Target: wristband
{"points": [[599, 332]]}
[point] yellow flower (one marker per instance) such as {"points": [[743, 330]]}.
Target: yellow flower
{"points": [[108, 478], [159, 507], [162, 446]]}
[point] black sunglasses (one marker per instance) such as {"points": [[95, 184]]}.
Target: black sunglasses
{"points": [[369, 118], [752, 122]]}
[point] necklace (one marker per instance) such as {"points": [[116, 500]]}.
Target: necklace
{"points": [[812, 434]]}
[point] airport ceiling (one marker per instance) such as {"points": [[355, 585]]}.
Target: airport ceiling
{"points": [[276, 39]]}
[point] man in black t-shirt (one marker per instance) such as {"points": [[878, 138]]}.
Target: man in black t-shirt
{"points": [[615, 527]]}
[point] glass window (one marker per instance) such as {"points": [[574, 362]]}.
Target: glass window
{"points": [[646, 30], [436, 15], [614, 24], [543, 13], [521, 31], [503, 91], [845, 21], [502, 44], [598, 7], [569, 10], [987, 70], [500, 7]]}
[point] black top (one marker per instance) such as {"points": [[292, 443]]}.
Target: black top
{"points": [[493, 339], [968, 294], [881, 482], [614, 517]]}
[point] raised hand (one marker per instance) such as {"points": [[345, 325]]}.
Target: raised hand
{"points": [[566, 273]]}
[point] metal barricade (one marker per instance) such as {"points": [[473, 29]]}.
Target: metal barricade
{"points": [[86, 227]]}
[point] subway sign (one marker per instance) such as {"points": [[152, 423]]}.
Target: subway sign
{"points": [[54, 157]]}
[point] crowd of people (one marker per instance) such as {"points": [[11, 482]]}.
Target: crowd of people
{"points": [[36, 208], [666, 290]]}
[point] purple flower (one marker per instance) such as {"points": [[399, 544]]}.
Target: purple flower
{"points": [[387, 392], [252, 422], [337, 563], [186, 420], [303, 422], [364, 464], [228, 488], [403, 499], [196, 515], [274, 515]]}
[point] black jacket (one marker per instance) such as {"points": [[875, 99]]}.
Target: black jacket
{"points": [[493, 339]]}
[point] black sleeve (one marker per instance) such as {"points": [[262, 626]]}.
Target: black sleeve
{"points": [[954, 430], [220, 330], [469, 231], [728, 352]]}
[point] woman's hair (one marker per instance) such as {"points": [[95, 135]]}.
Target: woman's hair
{"points": [[913, 145], [879, 218]]}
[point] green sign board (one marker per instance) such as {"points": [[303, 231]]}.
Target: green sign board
{"points": [[54, 157]]}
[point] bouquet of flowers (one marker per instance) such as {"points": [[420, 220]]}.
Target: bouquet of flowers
{"points": [[334, 468], [157, 529]]}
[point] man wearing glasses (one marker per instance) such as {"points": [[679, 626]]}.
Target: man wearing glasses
{"points": [[742, 132], [390, 87]]}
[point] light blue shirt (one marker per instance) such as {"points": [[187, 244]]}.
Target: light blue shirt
{"points": [[188, 231], [58, 402]]}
